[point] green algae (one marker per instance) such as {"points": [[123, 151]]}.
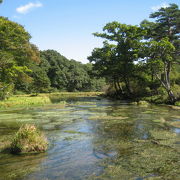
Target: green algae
{"points": [[165, 138], [142, 161], [110, 118], [174, 124], [160, 120], [11, 169], [73, 132], [162, 134]]}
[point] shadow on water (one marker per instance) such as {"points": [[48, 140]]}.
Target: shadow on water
{"points": [[92, 138]]}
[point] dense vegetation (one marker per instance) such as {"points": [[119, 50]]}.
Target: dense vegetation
{"points": [[137, 62], [26, 69], [28, 139], [142, 61]]}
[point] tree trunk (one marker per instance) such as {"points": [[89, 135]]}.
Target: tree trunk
{"points": [[116, 88], [171, 96], [167, 87], [127, 83], [120, 87]]}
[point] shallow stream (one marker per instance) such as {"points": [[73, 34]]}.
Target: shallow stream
{"points": [[95, 138]]}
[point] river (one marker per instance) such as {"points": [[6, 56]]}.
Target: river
{"points": [[96, 138]]}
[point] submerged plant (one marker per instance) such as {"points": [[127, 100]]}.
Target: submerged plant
{"points": [[28, 139]]}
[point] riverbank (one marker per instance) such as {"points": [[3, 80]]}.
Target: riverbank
{"points": [[156, 100], [30, 100]]}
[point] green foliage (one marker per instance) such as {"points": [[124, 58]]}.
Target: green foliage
{"points": [[6, 90], [28, 139], [137, 61], [26, 69], [16, 53], [69, 75], [177, 103], [116, 61]]}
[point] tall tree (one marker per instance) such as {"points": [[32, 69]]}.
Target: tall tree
{"points": [[164, 36], [167, 22], [160, 60], [119, 58], [16, 53]]}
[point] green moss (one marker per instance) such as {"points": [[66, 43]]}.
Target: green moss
{"points": [[108, 118], [144, 161], [162, 134], [165, 138], [73, 132], [160, 120]]}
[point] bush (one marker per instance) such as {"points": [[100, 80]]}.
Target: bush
{"points": [[28, 139], [177, 103], [143, 103], [6, 90]]}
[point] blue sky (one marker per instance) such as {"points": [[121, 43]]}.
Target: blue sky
{"points": [[67, 25]]}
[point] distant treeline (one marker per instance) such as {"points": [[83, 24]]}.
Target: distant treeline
{"points": [[142, 62]]}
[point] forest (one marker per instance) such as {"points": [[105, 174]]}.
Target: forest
{"points": [[25, 69], [136, 62]]}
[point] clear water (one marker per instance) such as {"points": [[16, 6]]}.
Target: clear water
{"points": [[94, 138]]}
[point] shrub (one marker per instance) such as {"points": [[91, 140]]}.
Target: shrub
{"points": [[143, 103], [177, 103], [28, 139]]}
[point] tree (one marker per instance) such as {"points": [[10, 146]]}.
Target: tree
{"points": [[160, 60], [77, 76], [41, 82], [56, 67], [167, 22], [117, 59], [164, 45], [168, 25], [16, 53]]}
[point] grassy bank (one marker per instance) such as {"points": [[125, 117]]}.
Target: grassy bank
{"points": [[25, 101]]}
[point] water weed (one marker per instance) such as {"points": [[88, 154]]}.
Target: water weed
{"points": [[28, 139]]}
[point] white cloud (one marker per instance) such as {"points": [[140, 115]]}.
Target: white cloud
{"points": [[163, 5], [26, 8]]}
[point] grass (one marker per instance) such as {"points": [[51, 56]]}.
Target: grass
{"points": [[25, 101], [28, 139], [20, 101]]}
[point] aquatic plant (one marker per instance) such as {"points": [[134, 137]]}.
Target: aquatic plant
{"points": [[28, 139], [143, 103]]}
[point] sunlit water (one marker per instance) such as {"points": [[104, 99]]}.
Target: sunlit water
{"points": [[92, 138]]}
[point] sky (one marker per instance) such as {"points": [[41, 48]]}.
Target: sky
{"points": [[67, 25]]}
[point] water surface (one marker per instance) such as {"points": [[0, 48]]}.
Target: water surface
{"points": [[92, 138]]}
